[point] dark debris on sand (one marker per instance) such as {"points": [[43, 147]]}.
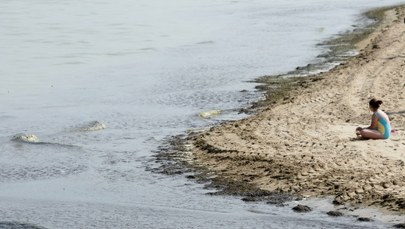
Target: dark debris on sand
{"points": [[170, 159]]}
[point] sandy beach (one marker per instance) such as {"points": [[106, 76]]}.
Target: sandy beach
{"points": [[305, 142]]}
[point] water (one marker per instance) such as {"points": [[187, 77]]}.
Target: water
{"points": [[145, 69]]}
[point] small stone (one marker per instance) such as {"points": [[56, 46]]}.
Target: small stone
{"points": [[359, 191], [386, 196], [336, 186], [249, 199], [338, 201], [334, 213], [364, 219], [304, 174], [386, 185], [399, 225], [301, 208]]}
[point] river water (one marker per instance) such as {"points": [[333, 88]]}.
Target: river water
{"points": [[143, 70]]}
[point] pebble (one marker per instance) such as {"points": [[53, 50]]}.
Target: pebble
{"points": [[399, 225], [334, 213], [304, 174], [338, 201], [301, 208], [248, 199], [364, 219]]}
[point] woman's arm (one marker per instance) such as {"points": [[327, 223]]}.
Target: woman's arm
{"points": [[374, 120]]}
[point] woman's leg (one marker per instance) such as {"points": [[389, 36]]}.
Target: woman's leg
{"points": [[371, 134]]}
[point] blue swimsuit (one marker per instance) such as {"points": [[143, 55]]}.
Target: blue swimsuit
{"points": [[383, 126]]}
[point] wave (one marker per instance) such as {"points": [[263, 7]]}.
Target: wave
{"points": [[25, 138], [92, 126], [33, 139], [12, 224]]}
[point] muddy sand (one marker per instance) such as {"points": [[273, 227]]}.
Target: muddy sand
{"points": [[305, 144]]}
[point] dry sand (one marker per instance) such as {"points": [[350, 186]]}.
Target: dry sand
{"points": [[305, 143]]}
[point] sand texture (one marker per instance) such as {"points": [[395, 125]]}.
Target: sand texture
{"points": [[305, 143]]}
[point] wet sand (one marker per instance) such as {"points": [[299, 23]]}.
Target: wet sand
{"points": [[304, 143]]}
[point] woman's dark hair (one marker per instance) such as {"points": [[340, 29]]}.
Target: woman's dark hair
{"points": [[375, 103]]}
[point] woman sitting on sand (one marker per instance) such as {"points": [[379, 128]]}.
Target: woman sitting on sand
{"points": [[380, 127]]}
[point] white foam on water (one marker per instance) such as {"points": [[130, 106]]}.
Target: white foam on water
{"points": [[29, 138], [147, 68], [92, 126]]}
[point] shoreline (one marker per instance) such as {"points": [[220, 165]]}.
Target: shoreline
{"points": [[338, 52], [297, 158], [301, 144]]}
